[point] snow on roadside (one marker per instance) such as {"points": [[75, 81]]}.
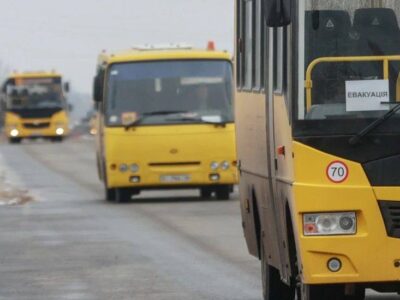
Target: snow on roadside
{"points": [[11, 188]]}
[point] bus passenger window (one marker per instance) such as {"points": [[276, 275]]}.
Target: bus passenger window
{"points": [[280, 59], [248, 45], [259, 46]]}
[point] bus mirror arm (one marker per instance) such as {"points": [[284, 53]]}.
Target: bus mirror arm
{"points": [[277, 12]]}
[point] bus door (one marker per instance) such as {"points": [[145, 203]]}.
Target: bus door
{"points": [[280, 138]]}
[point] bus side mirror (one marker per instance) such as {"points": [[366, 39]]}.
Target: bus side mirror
{"points": [[97, 89], [66, 87], [278, 12]]}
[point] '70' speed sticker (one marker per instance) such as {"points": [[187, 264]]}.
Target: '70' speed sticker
{"points": [[337, 171]]}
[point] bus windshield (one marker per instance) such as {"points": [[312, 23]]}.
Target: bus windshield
{"points": [[35, 94], [349, 65], [190, 90]]}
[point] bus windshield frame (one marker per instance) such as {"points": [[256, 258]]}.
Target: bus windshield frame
{"points": [[183, 91], [34, 94], [342, 53]]}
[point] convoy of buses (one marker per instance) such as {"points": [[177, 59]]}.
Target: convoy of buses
{"points": [[317, 136]]}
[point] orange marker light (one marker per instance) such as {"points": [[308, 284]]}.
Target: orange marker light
{"points": [[211, 46], [281, 150]]}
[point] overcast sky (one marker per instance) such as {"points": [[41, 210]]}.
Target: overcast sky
{"points": [[67, 35]]}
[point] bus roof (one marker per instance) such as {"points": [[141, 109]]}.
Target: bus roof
{"points": [[150, 53], [35, 74]]}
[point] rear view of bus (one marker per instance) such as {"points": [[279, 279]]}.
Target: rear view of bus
{"points": [[165, 121], [35, 107]]}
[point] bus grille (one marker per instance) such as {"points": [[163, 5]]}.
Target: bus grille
{"points": [[174, 164], [391, 215], [36, 125]]}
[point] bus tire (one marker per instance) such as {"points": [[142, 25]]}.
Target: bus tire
{"points": [[205, 192], [57, 139], [109, 194], [323, 291], [359, 294], [273, 287], [14, 140], [222, 192], [122, 195]]}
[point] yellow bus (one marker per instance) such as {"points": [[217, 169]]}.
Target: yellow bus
{"points": [[165, 121], [35, 106], [318, 142]]}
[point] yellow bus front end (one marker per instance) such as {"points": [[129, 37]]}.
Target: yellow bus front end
{"points": [[320, 195], [166, 122], [35, 107], [346, 150]]}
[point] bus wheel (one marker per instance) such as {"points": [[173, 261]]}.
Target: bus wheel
{"points": [[222, 192], [110, 194], [359, 295], [273, 287], [316, 292], [57, 139], [205, 192], [122, 195], [15, 140]]}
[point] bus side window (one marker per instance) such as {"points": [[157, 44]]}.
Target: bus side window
{"points": [[239, 44], [251, 46], [259, 44], [248, 44], [245, 44], [280, 59], [281, 67]]}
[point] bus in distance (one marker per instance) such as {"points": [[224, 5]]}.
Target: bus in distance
{"points": [[35, 106], [165, 121]]}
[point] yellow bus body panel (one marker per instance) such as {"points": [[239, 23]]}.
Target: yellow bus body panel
{"points": [[169, 150], [367, 256], [134, 55], [58, 120]]}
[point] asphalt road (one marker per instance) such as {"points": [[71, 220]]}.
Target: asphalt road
{"points": [[68, 243]]}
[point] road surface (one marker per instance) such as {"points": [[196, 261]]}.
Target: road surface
{"points": [[65, 242]]}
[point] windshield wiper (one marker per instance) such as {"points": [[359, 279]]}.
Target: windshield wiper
{"points": [[220, 123], [357, 137], [153, 113]]}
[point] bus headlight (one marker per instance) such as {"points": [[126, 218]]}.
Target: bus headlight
{"points": [[225, 165], [60, 131], [134, 168], [123, 168], [14, 132], [344, 223], [214, 165]]}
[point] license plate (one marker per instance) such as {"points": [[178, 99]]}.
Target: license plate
{"points": [[175, 178], [36, 133]]}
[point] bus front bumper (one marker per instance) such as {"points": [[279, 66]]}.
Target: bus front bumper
{"points": [[170, 177], [369, 255]]}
